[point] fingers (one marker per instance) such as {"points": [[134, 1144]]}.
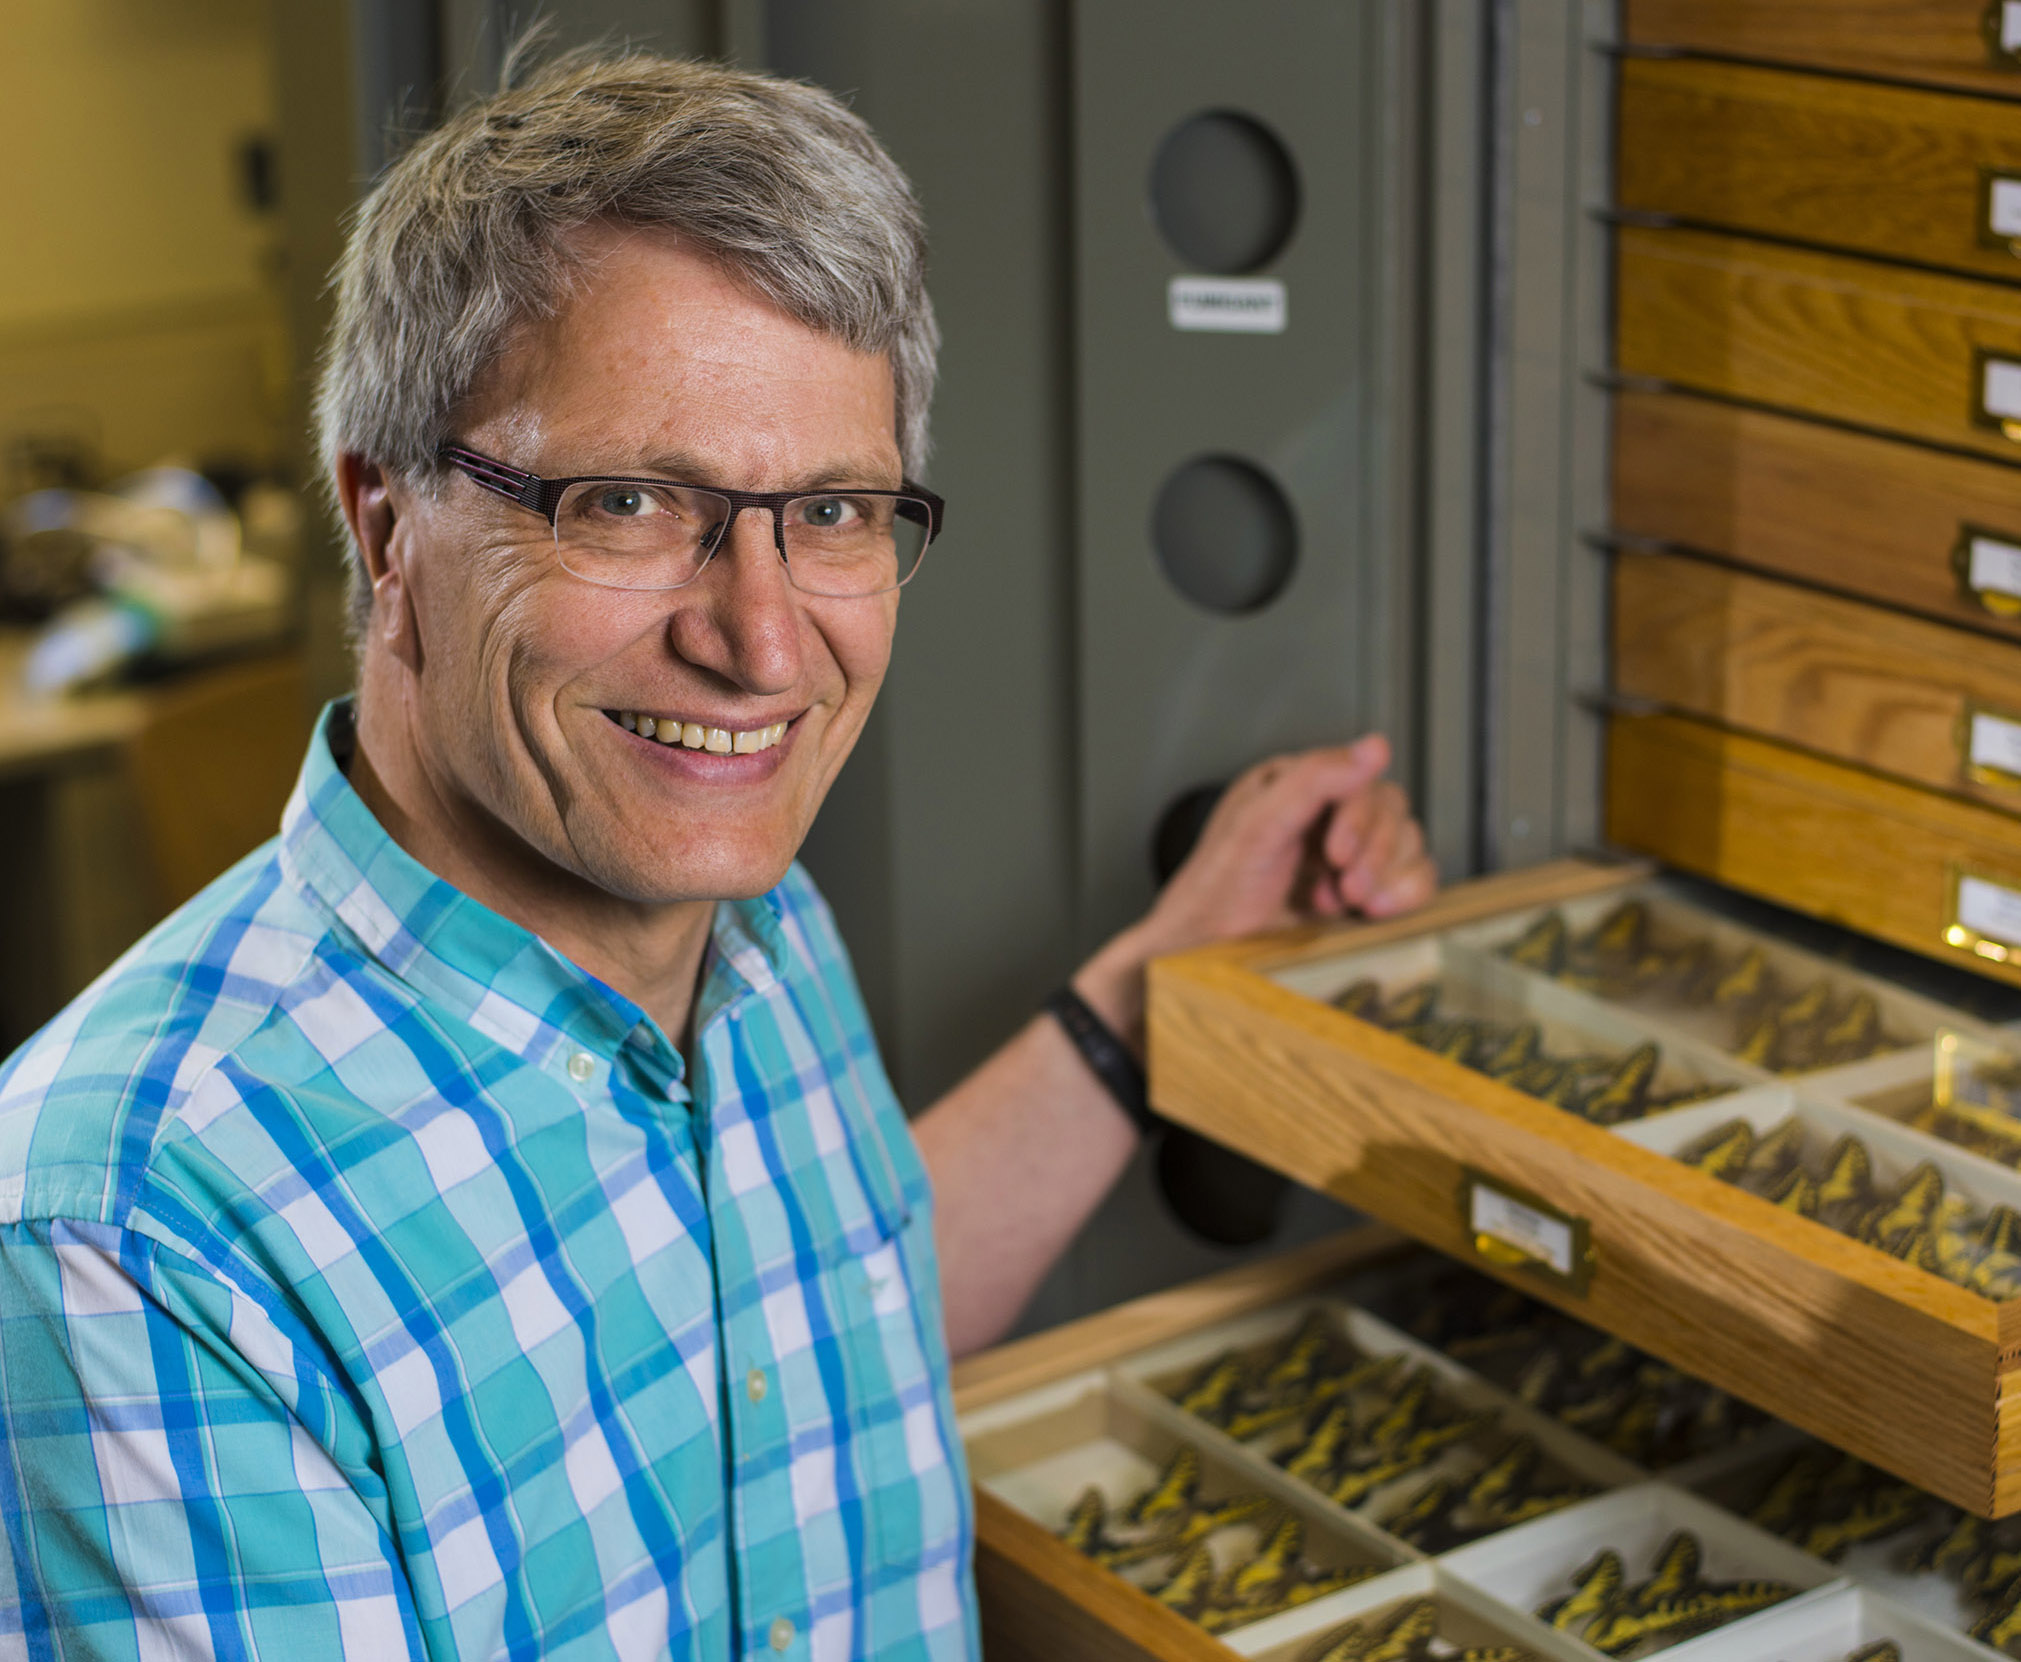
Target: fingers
{"points": [[1288, 793], [1385, 813], [1386, 869], [1407, 879]]}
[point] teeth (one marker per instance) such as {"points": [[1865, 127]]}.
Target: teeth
{"points": [[719, 741]]}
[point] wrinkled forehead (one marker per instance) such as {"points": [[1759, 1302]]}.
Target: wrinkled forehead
{"points": [[653, 343]]}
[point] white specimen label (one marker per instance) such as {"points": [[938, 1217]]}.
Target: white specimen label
{"points": [[1236, 305], [1995, 743], [2010, 25], [2003, 209], [1994, 567], [1990, 910], [1533, 1233], [2002, 393]]}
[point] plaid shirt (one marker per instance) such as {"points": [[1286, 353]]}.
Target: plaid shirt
{"points": [[374, 1282]]}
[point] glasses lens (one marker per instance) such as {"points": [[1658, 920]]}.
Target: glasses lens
{"points": [[850, 545], [625, 535]]}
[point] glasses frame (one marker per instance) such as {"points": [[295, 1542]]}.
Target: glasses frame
{"points": [[543, 497]]}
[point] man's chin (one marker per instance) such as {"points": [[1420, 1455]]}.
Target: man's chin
{"points": [[696, 878]]}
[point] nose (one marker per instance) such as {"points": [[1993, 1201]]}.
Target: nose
{"points": [[739, 618]]}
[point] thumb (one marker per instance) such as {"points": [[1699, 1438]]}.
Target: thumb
{"points": [[1319, 779]]}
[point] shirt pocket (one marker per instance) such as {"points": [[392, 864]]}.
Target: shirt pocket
{"points": [[902, 1444]]}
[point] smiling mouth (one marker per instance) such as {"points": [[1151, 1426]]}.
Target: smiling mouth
{"points": [[692, 735]]}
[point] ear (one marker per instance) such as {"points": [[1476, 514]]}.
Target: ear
{"points": [[372, 504]]}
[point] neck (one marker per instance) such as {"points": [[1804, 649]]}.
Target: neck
{"points": [[652, 954]]}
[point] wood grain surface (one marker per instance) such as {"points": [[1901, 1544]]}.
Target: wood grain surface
{"points": [[1816, 835], [1830, 335], [1942, 42], [1893, 171], [1854, 681], [1885, 1361], [1866, 516]]}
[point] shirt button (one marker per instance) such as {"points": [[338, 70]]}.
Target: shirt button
{"points": [[581, 1066], [782, 1633], [755, 1388]]}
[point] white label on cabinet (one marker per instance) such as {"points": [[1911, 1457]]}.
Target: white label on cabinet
{"points": [[1995, 744], [1994, 567], [1990, 910], [1534, 1234], [2002, 392], [1238, 306], [2010, 25], [2003, 208]]}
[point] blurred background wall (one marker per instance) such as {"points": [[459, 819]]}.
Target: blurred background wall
{"points": [[142, 306], [183, 171]]}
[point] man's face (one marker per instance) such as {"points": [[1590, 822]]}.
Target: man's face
{"points": [[659, 365]]}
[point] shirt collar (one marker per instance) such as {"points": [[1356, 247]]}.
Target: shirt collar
{"points": [[458, 953]]}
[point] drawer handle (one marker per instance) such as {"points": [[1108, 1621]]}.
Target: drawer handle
{"points": [[2002, 24], [1513, 1229], [1989, 747], [1997, 402], [1985, 915], [1988, 564], [2000, 210]]}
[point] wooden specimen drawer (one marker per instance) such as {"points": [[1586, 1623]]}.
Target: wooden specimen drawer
{"points": [[1585, 1197], [1923, 871], [1898, 523], [1929, 704], [1960, 43], [1437, 1469], [1894, 171], [1877, 346]]}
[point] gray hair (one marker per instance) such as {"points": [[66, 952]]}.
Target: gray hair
{"points": [[468, 236]]}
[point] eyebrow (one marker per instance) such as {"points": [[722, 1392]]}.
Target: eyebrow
{"points": [[692, 470]]}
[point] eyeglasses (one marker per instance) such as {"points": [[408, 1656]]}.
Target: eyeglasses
{"points": [[655, 534]]}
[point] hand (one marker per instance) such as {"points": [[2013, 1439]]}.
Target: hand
{"points": [[1316, 834]]}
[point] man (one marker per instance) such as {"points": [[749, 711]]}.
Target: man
{"points": [[479, 1224]]}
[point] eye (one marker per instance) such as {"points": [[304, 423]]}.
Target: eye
{"points": [[828, 513], [624, 502]]}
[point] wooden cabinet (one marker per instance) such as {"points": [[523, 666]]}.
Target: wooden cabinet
{"points": [[1971, 44], [1910, 353], [1911, 527], [1621, 1222], [1918, 701], [1922, 870], [1895, 171], [1818, 337]]}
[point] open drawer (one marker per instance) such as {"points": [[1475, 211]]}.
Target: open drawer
{"points": [[1444, 1498], [1502, 1096]]}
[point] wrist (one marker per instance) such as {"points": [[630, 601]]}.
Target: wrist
{"points": [[1113, 984]]}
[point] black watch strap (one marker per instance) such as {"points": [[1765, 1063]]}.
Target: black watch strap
{"points": [[1106, 1055]]}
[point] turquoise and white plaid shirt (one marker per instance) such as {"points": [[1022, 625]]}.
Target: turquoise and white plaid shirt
{"points": [[373, 1281]]}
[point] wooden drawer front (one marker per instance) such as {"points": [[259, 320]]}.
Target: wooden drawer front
{"points": [[1930, 705], [1892, 1364], [1822, 334], [1847, 164], [1948, 42], [1815, 835], [1892, 522]]}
